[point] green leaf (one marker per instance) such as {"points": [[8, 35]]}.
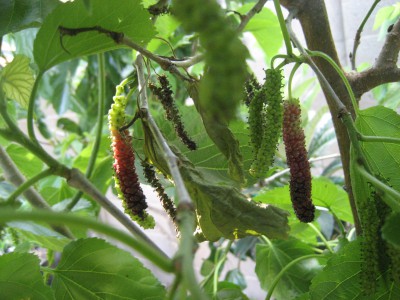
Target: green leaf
{"points": [[383, 158], [391, 229], [26, 162], [265, 28], [19, 14], [20, 278], [229, 291], [207, 156], [221, 209], [272, 257], [218, 130], [340, 278], [40, 235], [58, 193], [128, 17], [69, 125], [17, 80], [94, 269], [165, 26], [329, 195], [236, 276], [382, 15]]}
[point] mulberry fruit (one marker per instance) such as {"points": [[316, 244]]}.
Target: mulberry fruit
{"points": [[296, 154]]}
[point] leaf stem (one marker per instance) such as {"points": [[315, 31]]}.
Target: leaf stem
{"points": [[358, 34], [218, 265], [391, 197], [339, 222], [28, 183], [321, 236], [340, 73], [285, 33], [100, 113], [283, 271], [31, 107], [378, 139], [290, 81], [143, 248]]}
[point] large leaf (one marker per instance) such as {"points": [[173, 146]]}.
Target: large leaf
{"points": [[19, 14], [324, 193], [221, 209], [27, 163], [272, 257], [384, 158], [40, 235], [20, 278], [207, 156], [17, 80], [340, 279], [94, 269], [265, 28], [126, 16]]}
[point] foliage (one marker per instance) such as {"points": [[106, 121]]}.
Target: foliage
{"points": [[202, 143]]}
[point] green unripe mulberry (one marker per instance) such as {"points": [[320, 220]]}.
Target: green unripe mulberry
{"points": [[225, 55], [265, 122]]}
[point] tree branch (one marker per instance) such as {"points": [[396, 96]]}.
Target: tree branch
{"points": [[314, 21], [14, 176], [244, 19], [385, 68], [185, 209]]}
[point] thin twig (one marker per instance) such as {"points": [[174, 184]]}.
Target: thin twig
{"points": [[100, 114], [358, 35], [385, 68], [283, 172], [247, 17], [338, 103]]}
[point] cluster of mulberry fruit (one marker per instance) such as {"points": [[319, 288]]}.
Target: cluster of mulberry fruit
{"points": [[296, 154], [126, 179], [265, 122]]}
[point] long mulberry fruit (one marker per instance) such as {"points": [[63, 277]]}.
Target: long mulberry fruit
{"points": [[265, 122], [225, 56], [164, 94], [296, 154], [251, 87], [126, 179], [166, 202]]}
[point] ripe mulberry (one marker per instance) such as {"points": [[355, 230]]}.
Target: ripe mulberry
{"points": [[126, 179], [296, 154]]}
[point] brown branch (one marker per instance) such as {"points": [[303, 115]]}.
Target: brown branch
{"points": [[244, 19], [315, 24], [385, 68]]}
